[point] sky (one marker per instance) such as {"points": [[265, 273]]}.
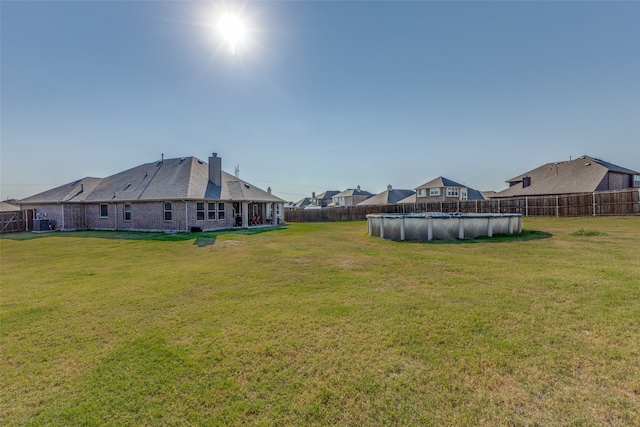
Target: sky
{"points": [[320, 95]]}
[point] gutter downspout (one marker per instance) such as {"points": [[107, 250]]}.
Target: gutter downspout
{"points": [[186, 216]]}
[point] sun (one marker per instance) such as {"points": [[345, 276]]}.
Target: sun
{"points": [[232, 28]]}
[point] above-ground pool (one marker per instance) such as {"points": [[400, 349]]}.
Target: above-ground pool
{"points": [[442, 226]]}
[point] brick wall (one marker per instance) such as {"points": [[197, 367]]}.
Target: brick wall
{"points": [[147, 216]]}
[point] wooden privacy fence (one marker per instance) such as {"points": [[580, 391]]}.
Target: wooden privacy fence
{"points": [[602, 203], [11, 222]]}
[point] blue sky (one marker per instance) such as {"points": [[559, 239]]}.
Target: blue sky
{"points": [[323, 95]]}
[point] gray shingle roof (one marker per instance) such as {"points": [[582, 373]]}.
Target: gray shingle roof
{"points": [[440, 182], [411, 199], [353, 192], [300, 204], [8, 207], [327, 195], [387, 197], [172, 179], [581, 175], [76, 191]]}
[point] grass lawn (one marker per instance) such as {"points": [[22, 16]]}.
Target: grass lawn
{"points": [[321, 324]]}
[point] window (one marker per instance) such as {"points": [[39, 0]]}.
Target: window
{"points": [[452, 191], [104, 211], [200, 211], [211, 210], [127, 212], [422, 192], [636, 181], [220, 210], [434, 191], [167, 211], [463, 195]]}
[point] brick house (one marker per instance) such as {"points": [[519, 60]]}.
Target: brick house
{"points": [[390, 196], [582, 175], [183, 194], [350, 197], [321, 200], [444, 189]]}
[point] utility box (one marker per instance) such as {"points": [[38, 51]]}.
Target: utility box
{"points": [[41, 225]]}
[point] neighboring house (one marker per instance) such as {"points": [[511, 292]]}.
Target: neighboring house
{"points": [[302, 203], [9, 206], [387, 197], [408, 200], [446, 190], [488, 194], [11, 218], [168, 195], [321, 200], [350, 197], [582, 175]]}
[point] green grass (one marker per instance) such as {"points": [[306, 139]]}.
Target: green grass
{"points": [[321, 324], [583, 232]]}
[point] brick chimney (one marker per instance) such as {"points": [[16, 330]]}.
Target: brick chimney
{"points": [[215, 169]]}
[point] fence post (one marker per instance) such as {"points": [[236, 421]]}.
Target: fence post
{"points": [[526, 206], [476, 205], [498, 205], [594, 203], [557, 206]]}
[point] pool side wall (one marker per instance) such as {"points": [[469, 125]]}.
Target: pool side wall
{"points": [[412, 228]]}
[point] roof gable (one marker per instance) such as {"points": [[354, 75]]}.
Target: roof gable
{"points": [[353, 192], [387, 197], [440, 182]]}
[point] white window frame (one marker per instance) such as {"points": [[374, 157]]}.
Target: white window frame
{"points": [[127, 210], [211, 210], [106, 206], [168, 211], [434, 192], [452, 192], [636, 181], [222, 208], [422, 192], [199, 211]]}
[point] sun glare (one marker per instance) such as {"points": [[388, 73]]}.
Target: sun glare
{"points": [[233, 30]]}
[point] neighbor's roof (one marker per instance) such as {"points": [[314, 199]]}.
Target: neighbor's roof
{"points": [[8, 207], [411, 199], [303, 203], [353, 192], [440, 182], [387, 197], [582, 175], [172, 179], [327, 194]]}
